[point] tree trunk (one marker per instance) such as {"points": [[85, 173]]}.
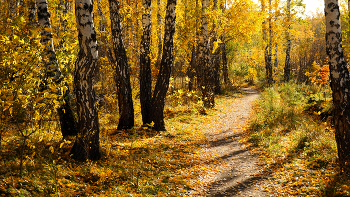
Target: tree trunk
{"points": [[162, 85], [269, 64], [159, 20], [32, 14], [126, 109], [21, 8], [227, 80], [145, 65], [191, 69], [215, 54], [289, 43], [87, 145], [340, 82], [207, 80], [65, 113]]}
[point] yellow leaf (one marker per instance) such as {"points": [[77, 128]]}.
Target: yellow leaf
{"points": [[51, 149], [61, 144]]}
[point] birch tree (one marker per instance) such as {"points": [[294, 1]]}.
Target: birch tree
{"points": [[162, 84], [145, 64], [87, 145], [289, 43], [53, 72], [126, 109], [206, 81], [340, 82]]}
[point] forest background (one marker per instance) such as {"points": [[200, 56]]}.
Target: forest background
{"points": [[138, 160]]}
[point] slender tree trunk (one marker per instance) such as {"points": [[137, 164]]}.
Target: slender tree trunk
{"points": [[31, 13], [21, 8], [276, 57], [87, 145], [204, 61], [215, 60], [270, 73], [162, 85], [289, 43], [340, 82], [145, 65], [268, 63], [102, 50], [159, 20], [126, 109], [65, 113], [191, 69], [227, 80]]}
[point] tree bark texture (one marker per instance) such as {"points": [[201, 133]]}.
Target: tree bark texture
{"points": [[159, 20], [126, 109], [162, 84], [31, 13], [191, 69], [215, 56], [87, 144], [65, 113], [289, 44], [207, 79], [340, 82], [145, 65]]}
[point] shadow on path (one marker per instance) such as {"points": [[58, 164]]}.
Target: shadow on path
{"points": [[240, 174]]}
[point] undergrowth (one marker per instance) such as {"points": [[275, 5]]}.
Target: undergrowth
{"points": [[137, 162], [292, 130]]}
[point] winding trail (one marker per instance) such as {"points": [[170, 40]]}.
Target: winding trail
{"points": [[239, 172]]}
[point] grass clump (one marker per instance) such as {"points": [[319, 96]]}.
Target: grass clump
{"points": [[297, 142]]}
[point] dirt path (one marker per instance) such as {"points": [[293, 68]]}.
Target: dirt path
{"points": [[238, 168]]}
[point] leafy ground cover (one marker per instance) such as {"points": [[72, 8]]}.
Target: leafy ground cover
{"points": [[136, 162], [292, 131]]}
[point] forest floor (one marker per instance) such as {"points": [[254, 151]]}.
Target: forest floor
{"points": [[238, 169]]}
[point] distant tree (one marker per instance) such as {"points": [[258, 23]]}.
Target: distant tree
{"points": [[215, 54], [66, 116], [289, 43], [340, 82], [122, 77], [87, 145]]}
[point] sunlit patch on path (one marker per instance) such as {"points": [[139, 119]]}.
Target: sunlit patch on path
{"points": [[238, 171]]}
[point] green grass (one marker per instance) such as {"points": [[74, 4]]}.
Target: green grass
{"points": [[299, 148]]}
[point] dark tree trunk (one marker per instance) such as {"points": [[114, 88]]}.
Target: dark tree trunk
{"points": [[145, 65], [87, 145], [215, 56], [191, 70], [340, 82], [126, 109], [102, 49], [268, 48], [269, 63], [289, 43], [162, 85], [207, 81], [31, 13], [21, 8], [159, 20], [65, 113], [227, 80]]}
